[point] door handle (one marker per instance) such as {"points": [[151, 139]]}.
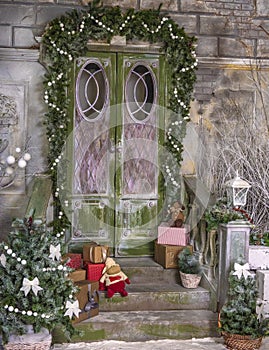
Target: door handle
{"points": [[115, 148], [119, 147]]}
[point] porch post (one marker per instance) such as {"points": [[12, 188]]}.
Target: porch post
{"points": [[233, 244]]}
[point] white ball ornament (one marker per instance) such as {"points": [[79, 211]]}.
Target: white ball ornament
{"points": [[18, 150], [27, 157], [22, 163], [9, 170], [11, 160]]}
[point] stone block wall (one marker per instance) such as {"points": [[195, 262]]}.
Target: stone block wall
{"points": [[229, 33]]}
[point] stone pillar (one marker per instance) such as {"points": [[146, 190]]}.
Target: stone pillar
{"points": [[233, 244]]}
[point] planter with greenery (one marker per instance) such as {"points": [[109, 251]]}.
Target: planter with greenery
{"points": [[239, 323], [221, 213], [189, 268], [35, 292]]}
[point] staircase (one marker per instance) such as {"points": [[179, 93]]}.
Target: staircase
{"points": [[157, 307]]}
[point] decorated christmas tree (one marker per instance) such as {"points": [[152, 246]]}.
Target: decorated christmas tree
{"points": [[239, 315], [35, 289]]}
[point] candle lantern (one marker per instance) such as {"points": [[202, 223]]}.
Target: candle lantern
{"points": [[237, 190]]}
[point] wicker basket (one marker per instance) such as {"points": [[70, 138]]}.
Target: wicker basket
{"points": [[189, 280], [241, 342], [45, 345], [30, 340]]}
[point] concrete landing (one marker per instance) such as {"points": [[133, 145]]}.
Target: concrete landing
{"points": [[149, 325], [145, 325]]}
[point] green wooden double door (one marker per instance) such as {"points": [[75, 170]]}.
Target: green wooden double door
{"points": [[117, 133]]}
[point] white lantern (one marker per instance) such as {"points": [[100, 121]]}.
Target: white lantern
{"points": [[237, 190]]}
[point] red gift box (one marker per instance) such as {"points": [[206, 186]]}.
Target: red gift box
{"points": [[173, 235], [94, 271], [73, 260]]}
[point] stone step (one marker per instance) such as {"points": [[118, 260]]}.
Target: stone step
{"points": [[156, 297], [144, 270], [146, 325]]}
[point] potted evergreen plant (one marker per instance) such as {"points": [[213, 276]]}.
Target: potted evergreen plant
{"points": [[189, 268], [35, 293], [239, 323]]}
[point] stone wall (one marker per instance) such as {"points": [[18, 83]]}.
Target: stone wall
{"points": [[229, 33]]}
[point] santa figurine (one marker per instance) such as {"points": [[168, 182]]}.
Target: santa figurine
{"points": [[113, 279]]}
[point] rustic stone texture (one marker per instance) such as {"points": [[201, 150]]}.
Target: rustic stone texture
{"points": [[263, 48], [194, 6], [189, 23], [18, 15], [262, 8], [5, 36], [170, 5], [263, 283], [229, 47], [207, 46], [121, 3], [46, 14], [23, 37], [213, 26], [206, 84]]}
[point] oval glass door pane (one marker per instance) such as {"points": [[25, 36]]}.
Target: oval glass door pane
{"points": [[140, 92], [91, 91]]}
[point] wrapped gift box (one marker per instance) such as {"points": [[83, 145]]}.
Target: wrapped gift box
{"points": [[88, 296], [166, 255], [73, 260], [77, 275], [179, 236], [95, 253], [94, 271]]}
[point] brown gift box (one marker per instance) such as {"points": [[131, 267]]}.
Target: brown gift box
{"points": [[166, 255], [86, 288], [95, 253], [77, 275]]}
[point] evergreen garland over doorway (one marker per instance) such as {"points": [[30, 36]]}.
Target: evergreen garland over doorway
{"points": [[65, 39]]}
